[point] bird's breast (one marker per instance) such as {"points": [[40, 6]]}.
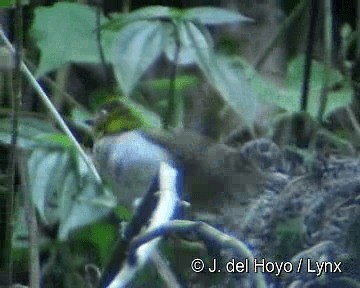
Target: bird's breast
{"points": [[130, 162]]}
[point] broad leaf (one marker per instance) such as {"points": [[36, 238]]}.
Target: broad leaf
{"points": [[66, 32], [11, 3], [159, 91], [289, 98], [148, 117], [336, 98], [182, 83], [28, 130], [54, 140], [101, 235], [21, 231], [7, 3], [202, 15], [147, 13], [57, 182], [227, 77], [213, 16], [47, 170], [156, 12], [135, 49], [187, 51], [75, 211], [20, 234]]}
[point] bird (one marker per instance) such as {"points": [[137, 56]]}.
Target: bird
{"points": [[210, 170], [128, 151], [130, 163]]}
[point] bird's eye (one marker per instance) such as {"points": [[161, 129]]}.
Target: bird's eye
{"points": [[103, 112]]}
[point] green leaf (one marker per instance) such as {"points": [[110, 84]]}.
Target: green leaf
{"points": [[11, 3], [20, 235], [102, 235], [201, 15], [213, 16], [47, 170], [337, 98], [7, 3], [182, 83], [66, 32], [265, 89], [156, 12], [123, 213], [159, 91], [186, 46], [54, 140], [75, 212], [28, 129], [226, 75], [289, 236], [7, 59], [289, 98], [58, 180], [135, 49], [148, 118], [21, 231]]}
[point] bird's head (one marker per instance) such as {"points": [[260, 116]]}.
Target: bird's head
{"points": [[122, 115]]}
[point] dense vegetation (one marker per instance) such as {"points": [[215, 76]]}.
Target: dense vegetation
{"points": [[180, 75]]}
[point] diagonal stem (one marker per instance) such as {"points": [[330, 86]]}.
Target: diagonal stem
{"points": [[55, 114]]}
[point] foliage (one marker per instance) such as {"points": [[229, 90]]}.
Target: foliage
{"points": [[289, 238], [288, 98], [100, 234], [61, 187], [136, 47], [62, 197], [133, 42], [58, 41], [29, 130], [60, 183], [11, 3]]}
